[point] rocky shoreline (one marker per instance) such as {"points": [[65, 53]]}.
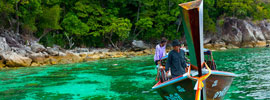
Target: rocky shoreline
{"points": [[53, 56], [224, 46], [12, 59], [15, 51], [239, 33]]}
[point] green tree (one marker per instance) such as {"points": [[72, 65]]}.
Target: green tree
{"points": [[73, 25], [120, 27], [49, 20], [6, 11], [143, 24], [27, 13]]}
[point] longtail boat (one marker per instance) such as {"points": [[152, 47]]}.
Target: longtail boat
{"points": [[204, 84]]}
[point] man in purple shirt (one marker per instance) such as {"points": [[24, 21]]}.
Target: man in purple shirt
{"points": [[160, 51]]}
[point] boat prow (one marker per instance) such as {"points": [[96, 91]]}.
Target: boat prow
{"points": [[182, 87]]}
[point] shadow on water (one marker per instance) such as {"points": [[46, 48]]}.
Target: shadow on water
{"points": [[129, 78]]}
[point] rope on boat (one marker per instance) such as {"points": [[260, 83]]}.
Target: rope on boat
{"points": [[199, 85]]}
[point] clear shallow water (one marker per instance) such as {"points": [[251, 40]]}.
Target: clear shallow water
{"points": [[129, 78], [253, 67]]}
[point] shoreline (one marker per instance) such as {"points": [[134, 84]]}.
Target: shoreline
{"points": [[69, 57]]}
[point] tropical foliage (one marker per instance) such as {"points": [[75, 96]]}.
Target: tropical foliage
{"points": [[99, 23]]}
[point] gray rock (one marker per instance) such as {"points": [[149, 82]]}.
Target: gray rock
{"points": [[36, 55], [52, 51], [19, 51], [28, 49], [3, 45], [62, 54], [80, 50], [45, 54], [265, 28], [231, 33], [12, 39], [139, 45], [36, 47], [241, 32], [207, 40], [57, 47], [103, 50], [212, 38]]}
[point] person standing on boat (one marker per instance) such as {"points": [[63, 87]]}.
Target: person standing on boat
{"points": [[160, 51], [176, 62]]}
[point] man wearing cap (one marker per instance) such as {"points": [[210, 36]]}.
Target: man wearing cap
{"points": [[176, 60]]}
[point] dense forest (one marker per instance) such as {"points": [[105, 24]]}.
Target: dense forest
{"points": [[103, 23]]}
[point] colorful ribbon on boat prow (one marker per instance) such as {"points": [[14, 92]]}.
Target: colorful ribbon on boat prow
{"points": [[199, 80]]}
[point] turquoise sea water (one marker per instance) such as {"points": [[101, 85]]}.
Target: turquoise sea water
{"points": [[129, 78]]}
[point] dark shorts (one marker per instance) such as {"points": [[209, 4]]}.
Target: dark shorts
{"points": [[156, 62]]}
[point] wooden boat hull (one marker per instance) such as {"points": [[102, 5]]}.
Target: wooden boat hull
{"points": [[182, 88], [217, 85]]}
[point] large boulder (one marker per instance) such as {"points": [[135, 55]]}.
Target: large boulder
{"points": [[139, 45], [251, 32], [38, 58], [54, 52], [244, 33], [265, 28], [211, 38], [14, 60], [13, 39], [231, 33], [19, 51], [36, 47], [3, 45]]}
